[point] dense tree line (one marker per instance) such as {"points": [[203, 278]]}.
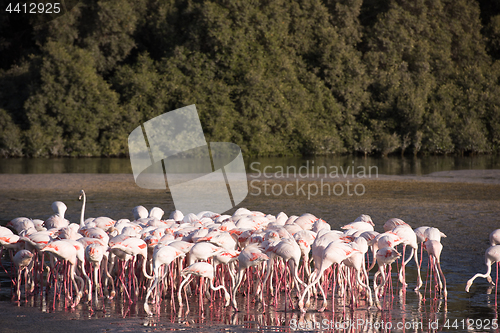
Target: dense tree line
{"points": [[275, 77]]}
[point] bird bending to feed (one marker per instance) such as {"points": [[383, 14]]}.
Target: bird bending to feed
{"points": [[266, 256], [203, 270], [491, 256]]}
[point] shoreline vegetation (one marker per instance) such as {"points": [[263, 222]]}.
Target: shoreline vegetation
{"points": [[277, 78]]}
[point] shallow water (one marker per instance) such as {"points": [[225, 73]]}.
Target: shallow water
{"points": [[466, 213]]}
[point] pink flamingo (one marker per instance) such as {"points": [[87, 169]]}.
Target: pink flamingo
{"points": [[203, 251], [334, 253], [22, 260], [162, 255], [363, 222], [491, 256], [203, 270], [270, 240], [305, 239], [97, 255], [249, 256], [306, 221], [290, 252], [409, 238], [495, 237], [387, 239], [140, 212], [20, 224], [57, 220], [133, 247], [63, 250], [222, 239], [320, 224], [393, 223], [357, 262], [385, 256], [434, 248]]}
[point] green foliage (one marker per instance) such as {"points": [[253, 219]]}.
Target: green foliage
{"points": [[275, 77], [10, 136], [437, 135], [73, 106]]}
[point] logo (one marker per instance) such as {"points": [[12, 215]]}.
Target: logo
{"points": [[171, 149]]}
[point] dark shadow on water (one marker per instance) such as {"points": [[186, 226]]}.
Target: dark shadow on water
{"points": [[392, 165]]}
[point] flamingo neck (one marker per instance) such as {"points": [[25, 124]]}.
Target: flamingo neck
{"points": [[82, 224]]}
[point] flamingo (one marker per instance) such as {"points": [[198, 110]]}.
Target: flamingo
{"points": [[22, 260], [177, 215], [20, 224], [156, 212], [357, 261], [334, 253], [409, 237], [281, 218], [491, 256], [222, 239], [290, 252], [5, 231], [63, 250], [162, 255], [203, 251], [495, 237], [7, 238], [97, 255], [249, 256], [68, 233], [104, 223], [271, 239], [393, 223], [38, 225], [292, 229], [82, 212], [95, 232], [181, 245], [363, 222], [57, 220], [133, 247], [203, 270], [385, 256], [320, 224], [306, 221], [434, 248], [12, 242], [305, 239], [386, 239]]}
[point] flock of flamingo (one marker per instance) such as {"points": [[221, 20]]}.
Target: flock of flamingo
{"points": [[274, 255]]}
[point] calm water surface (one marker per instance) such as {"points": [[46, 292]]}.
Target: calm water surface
{"points": [[392, 165]]}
